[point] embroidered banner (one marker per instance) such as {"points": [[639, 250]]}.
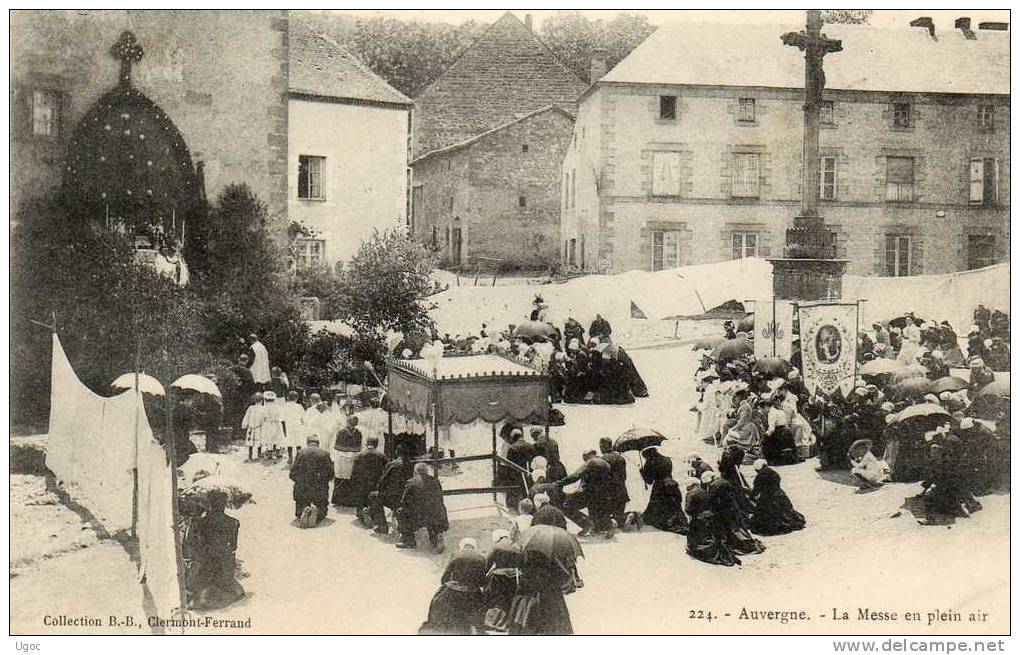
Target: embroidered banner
{"points": [[828, 342]]}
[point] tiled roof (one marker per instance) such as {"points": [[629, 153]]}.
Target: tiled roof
{"points": [[467, 142], [903, 59], [320, 67], [507, 71]]}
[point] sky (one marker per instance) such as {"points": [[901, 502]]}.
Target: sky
{"points": [[944, 18]]}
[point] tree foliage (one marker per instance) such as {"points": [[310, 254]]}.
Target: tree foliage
{"points": [[112, 311], [246, 287], [410, 55], [847, 16], [577, 40], [386, 286], [407, 54]]}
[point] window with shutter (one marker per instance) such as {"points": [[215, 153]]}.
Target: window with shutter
{"points": [[745, 110], [899, 179], [901, 114], [827, 179], [983, 182], [980, 250], [310, 177], [667, 108], [745, 179], [745, 244], [45, 112], [666, 174], [897, 255], [665, 249]]}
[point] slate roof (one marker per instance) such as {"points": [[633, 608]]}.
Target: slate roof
{"points": [[507, 71], [320, 67], [467, 142], [903, 59]]}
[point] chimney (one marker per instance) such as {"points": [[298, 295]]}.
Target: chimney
{"points": [[528, 23], [963, 24], [995, 26], [924, 21]]}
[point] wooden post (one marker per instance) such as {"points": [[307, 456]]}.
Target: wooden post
{"points": [[175, 515], [494, 462]]}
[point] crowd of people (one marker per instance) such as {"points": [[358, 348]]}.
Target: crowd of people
{"points": [[583, 367], [907, 417]]}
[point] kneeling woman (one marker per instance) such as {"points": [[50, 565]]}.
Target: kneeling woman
{"points": [[774, 513], [706, 537], [665, 505], [779, 446]]}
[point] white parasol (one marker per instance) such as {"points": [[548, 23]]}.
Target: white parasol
{"points": [[146, 384], [197, 383]]}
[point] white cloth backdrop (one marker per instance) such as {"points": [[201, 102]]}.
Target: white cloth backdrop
{"points": [[91, 443], [94, 445]]}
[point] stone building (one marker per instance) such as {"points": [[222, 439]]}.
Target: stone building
{"points": [[220, 77], [489, 137], [347, 149], [689, 150], [250, 97]]}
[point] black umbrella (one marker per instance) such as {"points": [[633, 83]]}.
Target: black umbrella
{"points": [[774, 366], [553, 542], [732, 349], [951, 383], [637, 439]]}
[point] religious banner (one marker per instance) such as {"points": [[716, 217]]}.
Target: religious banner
{"points": [[828, 344], [773, 329]]}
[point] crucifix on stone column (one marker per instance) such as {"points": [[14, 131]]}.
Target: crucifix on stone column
{"points": [[815, 46], [128, 51]]}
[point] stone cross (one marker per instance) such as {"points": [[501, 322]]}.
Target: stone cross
{"points": [[815, 46], [128, 51]]}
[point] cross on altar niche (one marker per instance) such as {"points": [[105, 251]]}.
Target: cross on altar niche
{"points": [[128, 51], [815, 46]]}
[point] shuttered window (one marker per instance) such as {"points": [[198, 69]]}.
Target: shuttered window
{"points": [[746, 180], [983, 182], [899, 179], [897, 255], [665, 249], [666, 174]]}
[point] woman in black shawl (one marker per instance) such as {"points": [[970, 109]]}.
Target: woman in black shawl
{"points": [[730, 502], [615, 387], [502, 565], [665, 504], [774, 513], [539, 607], [706, 538], [634, 380], [458, 607]]}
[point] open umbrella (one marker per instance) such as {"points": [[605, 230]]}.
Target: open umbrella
{"points": [[989, 407], [746, 324], [859, 448], [732, 349], [774, 366], [920, 411], [535, 329], [553, 542], [192, 382], [880, 366], [909, 371], [998, 388], [146, 384], [707, 343], [913, 387], [637, 439], [949, 384]]}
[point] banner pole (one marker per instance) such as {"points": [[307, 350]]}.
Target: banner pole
{"points": [[773, 325]]}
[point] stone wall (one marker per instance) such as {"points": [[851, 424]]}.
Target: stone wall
{"points": [[479, 189], [221, 76], [942, 138]]}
